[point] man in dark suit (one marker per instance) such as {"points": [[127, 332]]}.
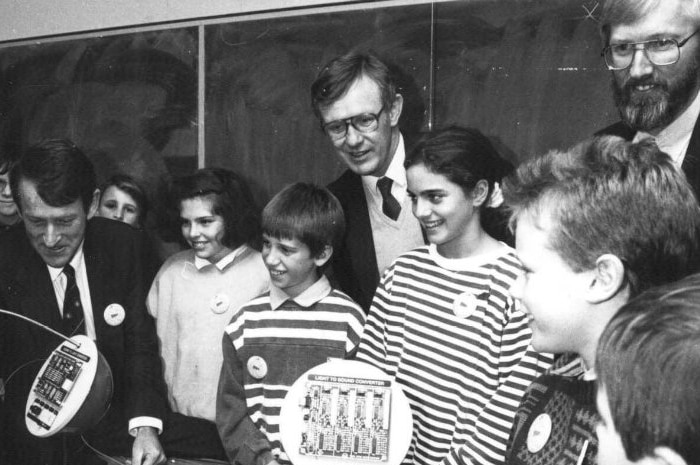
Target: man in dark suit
{"points": [[355, 97], [54, 186], [653, 51]]}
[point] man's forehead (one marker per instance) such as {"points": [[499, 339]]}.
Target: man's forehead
{"points": [[363, 96], [33, 205], [667, 19]]}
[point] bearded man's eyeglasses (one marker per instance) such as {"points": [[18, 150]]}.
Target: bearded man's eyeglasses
{"points": [[660, 52]]}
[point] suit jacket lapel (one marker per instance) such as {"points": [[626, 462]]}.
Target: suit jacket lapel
{"points": [[34, 287], [361, 241], [97, 282], [691, 161]]}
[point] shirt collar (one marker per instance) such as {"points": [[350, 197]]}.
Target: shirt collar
{"points": [[674, 138], [200, 263], [396, 172], [75, 262], [312, 295]]}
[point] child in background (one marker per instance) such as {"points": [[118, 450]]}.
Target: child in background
{"points": [[594, 226], [442, 322], [648, 362], [9, 215], [276, 337], [122, 199], [196, 291]]}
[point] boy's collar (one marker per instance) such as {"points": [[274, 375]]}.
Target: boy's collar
{"points": [[312, 295]]}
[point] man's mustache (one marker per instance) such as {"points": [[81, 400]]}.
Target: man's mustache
{"points": [[643, 81]]}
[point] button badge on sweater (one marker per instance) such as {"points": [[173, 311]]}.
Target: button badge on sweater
{"points": [[539, 433], [114, 314], [465, 304], [257, 367], [219, 303]]}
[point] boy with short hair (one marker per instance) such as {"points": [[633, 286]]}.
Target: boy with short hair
{"points": [[648, 363], [298, 324], [595, 225]]}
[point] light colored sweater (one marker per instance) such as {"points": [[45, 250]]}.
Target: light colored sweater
{"points": [[192, 307]]}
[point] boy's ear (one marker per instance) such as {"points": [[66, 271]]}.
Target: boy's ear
{"points": [[480, 192], [666, 456], [324, 256], [608, 278]]}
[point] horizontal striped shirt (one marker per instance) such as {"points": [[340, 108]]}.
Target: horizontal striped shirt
{"points": [[450, 334], [265, 351]]}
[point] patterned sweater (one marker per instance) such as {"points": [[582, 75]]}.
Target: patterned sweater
{"points": [[269, 343], [559, 408], [450, 334]]}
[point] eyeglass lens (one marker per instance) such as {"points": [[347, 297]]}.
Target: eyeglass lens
{"points": [[365, 122]]}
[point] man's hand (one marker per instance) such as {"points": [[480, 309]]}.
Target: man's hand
{"points": [[147, 449]]}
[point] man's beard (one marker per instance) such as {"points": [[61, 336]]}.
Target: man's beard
{"points": [[658, 107]]}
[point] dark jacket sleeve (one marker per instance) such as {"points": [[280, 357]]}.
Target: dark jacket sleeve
{"points": [[243, 442], [118, 274]]}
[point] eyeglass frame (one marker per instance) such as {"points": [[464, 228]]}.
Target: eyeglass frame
{"points": [[348, 122], [679, 45]]}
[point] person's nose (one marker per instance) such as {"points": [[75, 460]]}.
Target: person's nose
{"points": [[353, 137], [119, 214], [640, 66], [6, 192], [270, 257], [51, 236], [194, 231], [421, 208]]}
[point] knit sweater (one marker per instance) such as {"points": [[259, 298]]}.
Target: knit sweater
{"points": [[555, 424], [450, 334], [192, 307], [270, 343]]}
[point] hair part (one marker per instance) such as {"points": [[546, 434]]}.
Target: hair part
{"points": [[648, 362], [61, 172], [338, 75], [231, 198], [607, 195], [308, 213]]}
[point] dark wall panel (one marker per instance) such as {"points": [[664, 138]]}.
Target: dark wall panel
{"points": [[129, 101]]}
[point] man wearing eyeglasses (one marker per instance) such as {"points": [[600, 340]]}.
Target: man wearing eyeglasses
{"points": [[355, 97], [652, 48]]}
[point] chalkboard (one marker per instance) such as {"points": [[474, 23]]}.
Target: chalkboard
{"points": [[129, 101], [527, 73]]}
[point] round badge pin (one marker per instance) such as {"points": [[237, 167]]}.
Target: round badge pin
{"points": [[465, 304], [219, 303], [114, 314], [257, 367], [539, 433]]}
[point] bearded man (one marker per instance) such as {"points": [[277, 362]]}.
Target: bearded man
{"points": [[652, 48]]}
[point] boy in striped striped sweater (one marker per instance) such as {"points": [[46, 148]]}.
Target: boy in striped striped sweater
{"points": [[298, 324]]}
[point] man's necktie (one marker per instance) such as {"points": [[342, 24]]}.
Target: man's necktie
{"points": [[73, 315], [390, 206]]}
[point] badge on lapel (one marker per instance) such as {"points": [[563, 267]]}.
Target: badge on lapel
{"points": [[114, 314]]}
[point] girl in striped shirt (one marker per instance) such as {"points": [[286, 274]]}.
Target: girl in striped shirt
{"points": [[442, 322]]}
